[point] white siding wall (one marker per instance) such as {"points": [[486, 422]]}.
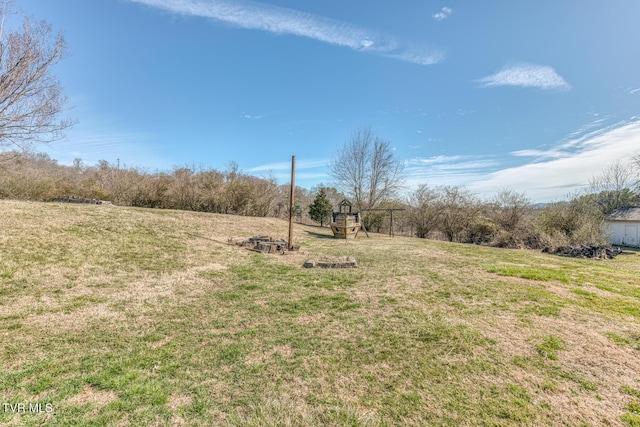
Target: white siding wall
{"points": [[624, 233]]}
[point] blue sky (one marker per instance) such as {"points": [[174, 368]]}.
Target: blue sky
{"points": [[533, 96]]}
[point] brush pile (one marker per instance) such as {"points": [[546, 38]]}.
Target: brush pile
{"points": [[585, 251], [74, 199]]}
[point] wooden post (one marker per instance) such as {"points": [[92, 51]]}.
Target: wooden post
{"points": [[291, 205], [391, 210]]}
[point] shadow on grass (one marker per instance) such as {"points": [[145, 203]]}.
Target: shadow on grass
{"points": [[320, 235], [629, 250]]}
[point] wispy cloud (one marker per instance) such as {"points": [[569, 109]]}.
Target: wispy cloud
{"points": [[448, 170], [284, 166], [105, 143], [576, 142], [253, 15], [558, 177], [552, 174], [540, 154], [308, 172], [253, 116], [444, 13], [526, 75]]}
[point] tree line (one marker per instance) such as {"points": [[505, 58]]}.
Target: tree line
{"points": [[364, 169], [36, 176], [451, 213]]}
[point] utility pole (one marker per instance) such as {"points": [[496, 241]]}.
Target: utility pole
{"points": [[291, 201]]}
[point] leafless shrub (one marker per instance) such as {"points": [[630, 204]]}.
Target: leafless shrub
{"points": [[575, 222], [510, 209], [458, 210], [424, 212], [38, 177], [508, 220]]}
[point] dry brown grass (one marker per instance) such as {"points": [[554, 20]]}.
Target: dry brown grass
{"points": [[115, 303], [90, 396]]}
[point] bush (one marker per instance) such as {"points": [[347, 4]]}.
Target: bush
{"points": [[37, 177], [572, 223], [507, 221]]}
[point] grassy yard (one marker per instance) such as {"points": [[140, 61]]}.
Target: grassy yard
{"points": [[129, 317]]}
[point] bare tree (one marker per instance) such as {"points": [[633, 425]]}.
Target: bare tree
{"points": [[615, 186], [31, 97], [366, 170], [635, 164]]}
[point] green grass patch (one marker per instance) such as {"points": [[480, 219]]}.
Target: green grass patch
{"points": [[120, 316], [631, 419], [612, 304], [549, 347], [634, 407], [631, 391], [621, 341], [530, 273]]}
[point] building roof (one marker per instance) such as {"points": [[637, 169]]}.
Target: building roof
{"points": [[625, 214]]}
